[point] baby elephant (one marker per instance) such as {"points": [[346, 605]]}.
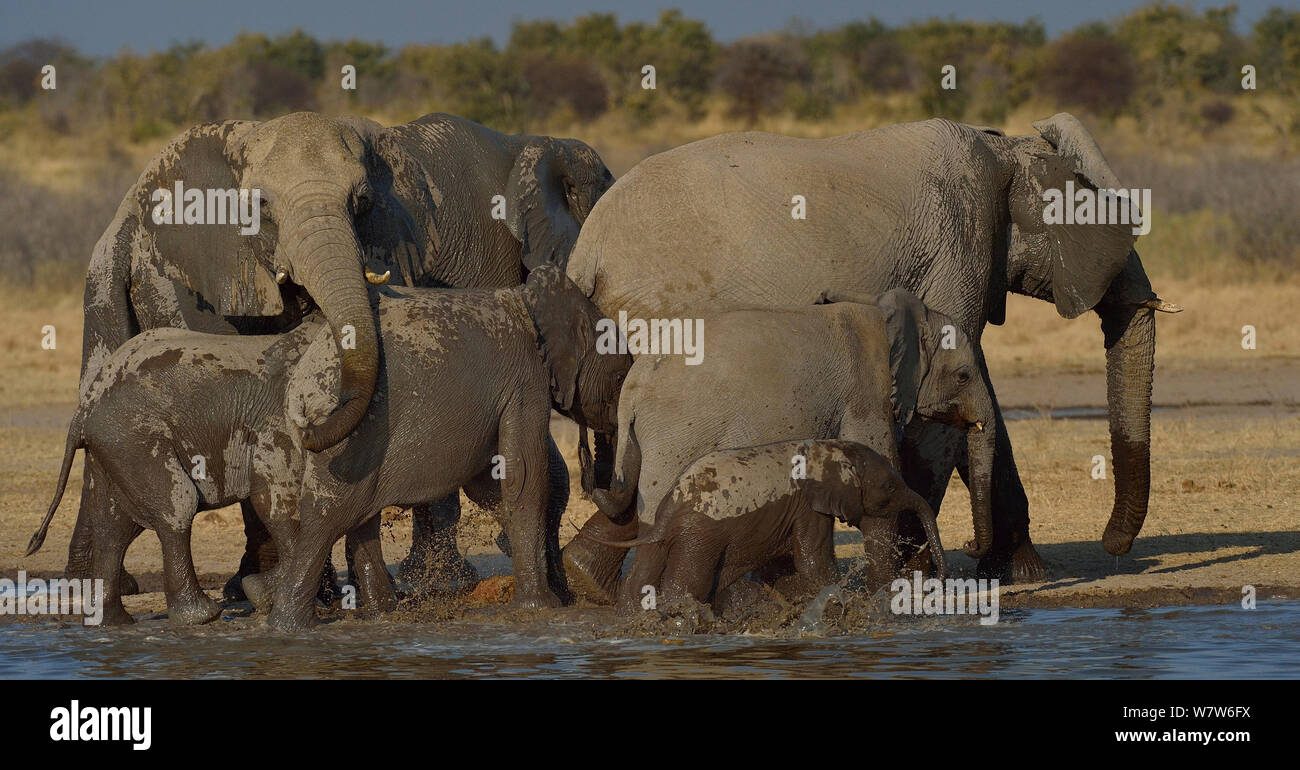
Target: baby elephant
{"points": [[180, 421], [732, 510]]}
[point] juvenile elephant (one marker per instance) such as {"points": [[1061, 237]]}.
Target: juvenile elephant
{"points": [[732, 510], [853, 370], [465, 388], [952, 212], [342, 200]]}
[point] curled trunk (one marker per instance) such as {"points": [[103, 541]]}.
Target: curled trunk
{"points": [[327, 263], [911, 501]]}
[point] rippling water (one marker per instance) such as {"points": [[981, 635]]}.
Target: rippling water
{"points": [[1170, 642]]}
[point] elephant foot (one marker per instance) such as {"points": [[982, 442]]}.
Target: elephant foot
{"points": [[535, 600], [1023, 565], [1026, 565], [194, 613], [114, 615], [593, 569], [588, 577], [256, 589], [292, 620]]}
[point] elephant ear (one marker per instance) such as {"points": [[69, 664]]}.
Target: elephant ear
{"points": [[228, 273], [562, 335], [399, 231], [907, 328], [538, 203], [835, 490], [1075, 263]]}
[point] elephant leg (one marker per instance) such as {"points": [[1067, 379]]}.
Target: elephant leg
{"points": [[644, 572], [592, 569], [525, 494], [692, 569], [366, 563], [81, 546], [259, 588], [293, 607], [557, 500], [186, 602], [260, 553], [435, 560], [111, 531], [814, 556]]}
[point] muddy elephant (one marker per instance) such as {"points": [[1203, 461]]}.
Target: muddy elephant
{"points": [[732, 510], [954, 213], [464, 394], [245, 227], [858, 369]]}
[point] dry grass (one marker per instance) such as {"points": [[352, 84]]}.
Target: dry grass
{"points": [[1206, 335]]}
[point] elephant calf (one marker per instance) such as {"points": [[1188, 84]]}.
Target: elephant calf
{"points": [[733, 510], [859, 368], [466, 384]]}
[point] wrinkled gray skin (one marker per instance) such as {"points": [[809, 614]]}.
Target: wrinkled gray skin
{"points": [[161, 400], [465, 376], [853, 370], [951, 212], [733, 510], [339, 195]]}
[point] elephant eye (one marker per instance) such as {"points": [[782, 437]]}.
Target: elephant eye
{"points": [[364, 203], [963, 376]]}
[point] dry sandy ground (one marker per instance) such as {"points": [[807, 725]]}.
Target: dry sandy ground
{"points": [[1225, 469]]}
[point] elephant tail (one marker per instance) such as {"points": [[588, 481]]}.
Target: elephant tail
{"points": [[657, 534], [76, 440]]}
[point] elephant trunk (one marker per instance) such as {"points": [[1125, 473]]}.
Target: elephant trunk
{"points": [[914, 502], [327, 262], [1130, 361], [981, 438]]}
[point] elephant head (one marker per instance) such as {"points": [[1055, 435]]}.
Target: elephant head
{"points": [[320, 182], [857, 486], [937, 376], [1088, 266], [553, 186], [585, 377]]}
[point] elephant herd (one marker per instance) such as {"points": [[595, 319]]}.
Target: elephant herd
{"points": [[418, 299]]}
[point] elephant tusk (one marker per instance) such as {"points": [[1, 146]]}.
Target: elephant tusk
{"points": [[1162, 306], [281, 276], [376, 279], [979, 426]]}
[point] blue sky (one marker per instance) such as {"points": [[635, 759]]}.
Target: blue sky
{"points": [[102, 27]]}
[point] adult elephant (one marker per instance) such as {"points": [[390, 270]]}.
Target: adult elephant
{"points": [[342, 200], [953, 213]]}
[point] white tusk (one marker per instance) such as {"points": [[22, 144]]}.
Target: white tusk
{"points": [[281, 276], [979, 426], [1162, 306], [376, 279]]}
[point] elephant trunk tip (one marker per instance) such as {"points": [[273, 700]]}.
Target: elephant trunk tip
{"points": [[1116, 541], [336, 427]]}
